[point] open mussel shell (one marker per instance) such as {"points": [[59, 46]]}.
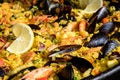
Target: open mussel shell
{"points": [[81, 63], [111, 74], [64, 49], [55, 8], [66, 73], [97, 40], [107, 28], [108, 47]]}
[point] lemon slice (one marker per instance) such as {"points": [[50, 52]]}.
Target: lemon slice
{"points": [[93, 6], [83, 3], [24, 40]]}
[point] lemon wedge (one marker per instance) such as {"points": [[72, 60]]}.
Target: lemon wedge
{"points": [[93, 6], [24, 40]]}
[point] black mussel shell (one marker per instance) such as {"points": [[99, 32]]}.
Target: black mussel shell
{"points": [[64, 49], [66, 73], [92, 23], [55, 8], [67, 6], [98, 40], [102, 13], [2, 72], [96, 17], [81, 63], [109, 46], [35, 27], [107, 28]]}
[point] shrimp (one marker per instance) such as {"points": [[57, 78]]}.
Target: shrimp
{"points": [[82, 28], [38, 74]]}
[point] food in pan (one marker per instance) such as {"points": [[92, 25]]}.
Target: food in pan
{"points": [[58, 39]]}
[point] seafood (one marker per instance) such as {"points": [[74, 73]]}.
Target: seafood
{"points": [[98, 40], [64, 49], [55, 7], [66, 73], [97, 17], [107, 28], [70, 42], [38, 73], [109, 46], [81, 63], [2, 72]]}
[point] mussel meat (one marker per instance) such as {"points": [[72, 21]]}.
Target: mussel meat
{"points": [[107, 28], [98, 40], [109, 46]]}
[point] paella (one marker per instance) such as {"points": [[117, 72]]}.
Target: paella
{"points": [[59, 39]]}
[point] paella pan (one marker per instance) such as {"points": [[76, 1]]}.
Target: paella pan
{"points": [[59, 39]]}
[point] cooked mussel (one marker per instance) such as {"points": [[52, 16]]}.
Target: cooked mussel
{"points": [[109, 46], [107, 28], [64, 49], [102, 13], [2, 72], [81, 63], [55, 8], [97, 17], [66, 73], [98, 40]]}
